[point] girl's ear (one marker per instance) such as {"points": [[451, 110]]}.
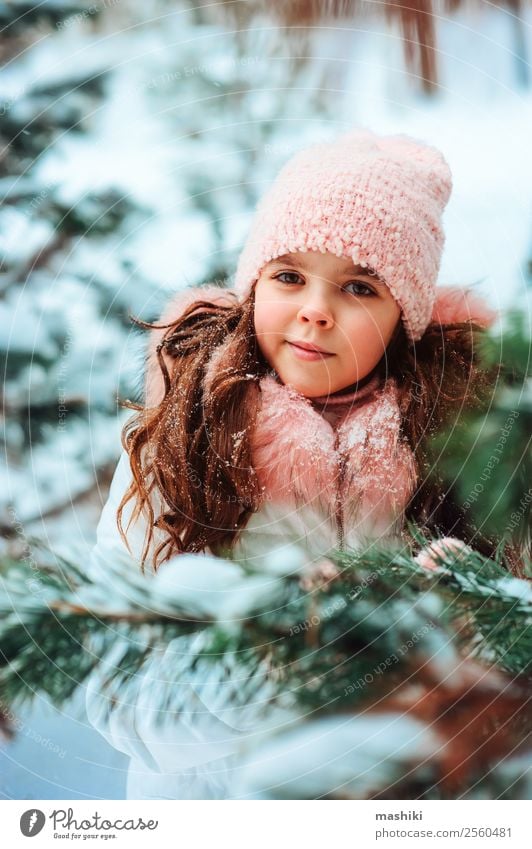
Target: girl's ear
{"points": [[455, 304], [154, 382]]}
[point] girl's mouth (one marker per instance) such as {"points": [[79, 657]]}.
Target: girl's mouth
{"points": [[305, 354]]}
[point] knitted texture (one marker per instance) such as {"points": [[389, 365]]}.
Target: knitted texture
{"points": [[376, 199]]}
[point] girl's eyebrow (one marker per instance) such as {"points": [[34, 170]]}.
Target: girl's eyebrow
{"points": [[358, 270], [284, 260]]}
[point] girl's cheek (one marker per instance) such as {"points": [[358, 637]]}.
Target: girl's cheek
{"points": [[270, 317]]}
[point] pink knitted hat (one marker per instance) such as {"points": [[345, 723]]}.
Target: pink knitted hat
{"points": [[376, 199]]}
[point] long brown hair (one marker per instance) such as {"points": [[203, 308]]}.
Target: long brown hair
{"points": [[193, 448]]}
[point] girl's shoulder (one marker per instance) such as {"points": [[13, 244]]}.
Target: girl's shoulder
{"points": [[176, 306]]}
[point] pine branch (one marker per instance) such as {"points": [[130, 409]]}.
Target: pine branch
{"points": [[56, 635], [317, 644]]}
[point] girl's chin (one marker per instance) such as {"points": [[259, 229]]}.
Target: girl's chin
{"points": [[310, 389], [310, 379]]}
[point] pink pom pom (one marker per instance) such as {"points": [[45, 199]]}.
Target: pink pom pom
{"points": [[455, 304]]}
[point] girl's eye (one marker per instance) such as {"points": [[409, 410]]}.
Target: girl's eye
{"points": [[288, 274], [361, 286], [362, 289]]}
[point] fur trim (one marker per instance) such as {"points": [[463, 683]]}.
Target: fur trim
{"points": [[455, 304], [292, 446], [381, 471], [299, 458]]}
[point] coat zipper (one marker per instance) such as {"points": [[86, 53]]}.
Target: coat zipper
{"points": [[338, 500]]}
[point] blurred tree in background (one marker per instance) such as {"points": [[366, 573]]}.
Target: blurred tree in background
{"points": [[121, 181]]}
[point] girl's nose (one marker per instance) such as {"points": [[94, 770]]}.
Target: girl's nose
{"points": [[315, 313]]}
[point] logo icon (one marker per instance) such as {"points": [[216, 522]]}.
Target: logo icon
{"points": [[32, 822]]}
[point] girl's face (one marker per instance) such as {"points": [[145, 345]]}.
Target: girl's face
{"points": [[321, 300]]}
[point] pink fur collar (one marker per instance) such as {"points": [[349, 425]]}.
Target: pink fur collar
{"points": [[363, 463]]}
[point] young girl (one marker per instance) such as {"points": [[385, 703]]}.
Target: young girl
{"points": [[296, 408]]}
